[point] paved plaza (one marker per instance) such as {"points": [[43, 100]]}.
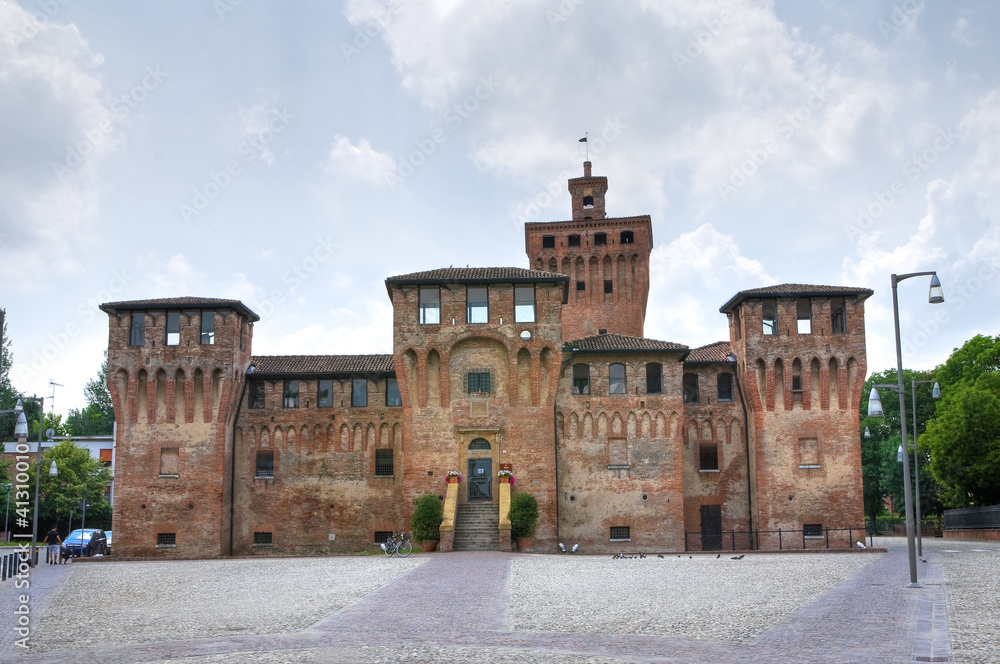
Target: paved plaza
{"points": [[494, 607]]}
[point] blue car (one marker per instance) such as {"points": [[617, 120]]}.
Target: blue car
{"points": [[87, 542]]}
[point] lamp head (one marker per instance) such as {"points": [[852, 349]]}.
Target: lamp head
{"points": [[19, 408], [936, 392], [874, 404], [53, 471], [868, 434], [21, 428], [899, 454], [936, 294]]}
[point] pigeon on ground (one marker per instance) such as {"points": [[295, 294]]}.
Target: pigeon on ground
{"points": [[718, 556], [739, 557], [659, 555], [922, 560], [642, 555], [690, 556]]}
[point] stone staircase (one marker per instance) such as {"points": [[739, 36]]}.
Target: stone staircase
{"points": [[476, 527]]}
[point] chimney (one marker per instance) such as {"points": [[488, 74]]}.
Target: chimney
{"points": [[586, 169]]}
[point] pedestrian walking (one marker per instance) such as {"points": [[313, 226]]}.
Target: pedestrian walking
{"points": [[53, 540]]}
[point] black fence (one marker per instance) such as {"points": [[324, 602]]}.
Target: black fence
{"points": [[972, 517], [780, 540], [12, 559]]}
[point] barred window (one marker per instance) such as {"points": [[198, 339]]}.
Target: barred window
{"points": [[256, 394], [573, 241], [708, 456], [382, 536], [479, 382], [324, 394], [383, 463], [166, 539], [265, 464], [207, 328], [137, 331], [620, 534], [548, 242], [581, 285], [173, 328], [291, 394], [262, 539], [600, 238], [812, 530], [392, 397]]}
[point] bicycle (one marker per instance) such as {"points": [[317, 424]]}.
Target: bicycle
{"points": [[399, 544]]}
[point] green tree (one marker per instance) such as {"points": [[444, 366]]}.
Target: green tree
{"points": [[977, 356], [80, 476], [98, 417]]}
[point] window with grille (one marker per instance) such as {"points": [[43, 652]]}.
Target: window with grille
{"points": [[265, 464], [812, 530], [137, 331], [524, 304], [616, 379], [620, 534], [166, 539], [573, 241], [291, 394], [581, 379], [382, 536], [479, 382], [430, 305], [769, 317], [691, 388], [725, 385], [262, 539], [548, 242], [392, 397], [207, 328], [324, 393], [600, 238], [654, 378], [173, 328], [477, 305], [708, 456], [383, 463], [256, 394], [479, 444], [359, 393], [581, 285]]}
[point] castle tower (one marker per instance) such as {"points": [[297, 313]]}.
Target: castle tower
{"points": [[606, 260], [801, 365], [176, 370]]}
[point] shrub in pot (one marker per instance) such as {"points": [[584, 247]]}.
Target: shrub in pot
{"points": [[426, 518], [523, 517]]}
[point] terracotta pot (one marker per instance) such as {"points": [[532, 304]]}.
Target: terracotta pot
{"points": [[504, 480], [452, 480], [524, 544], [428, 546]]}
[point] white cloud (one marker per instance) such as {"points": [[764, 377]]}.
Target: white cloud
{"points": [[964, 33], [359, 162]]}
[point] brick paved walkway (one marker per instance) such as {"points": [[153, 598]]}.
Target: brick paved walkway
{"points": [[44, 582], [870, 617]]}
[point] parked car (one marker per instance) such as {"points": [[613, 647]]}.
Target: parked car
{"points": [[87, 542]]}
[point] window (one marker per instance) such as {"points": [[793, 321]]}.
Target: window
{"points": [[430, 305], [169, 462], [573, 241], [600, 238], [620, 534], [738, 324], [691, 388], [796, 376], [324, 394], [581, 285], [382, 536], [207, 328], [291, 394], [173, 328], [812, 530], [654, 378], [708, 456], [392, 397], [769, 311], [616, 379], [477, 307], [803, 312], [548, 242], [383, 463], [581, 379], [588, 202], [608, 286], [838, 316], [166, 539], [480, 444], [106, 457], [524, 304], [359, 393], [137, 331], [256, 394], [265, 464], [725, 381], [262, 539], [479, 382], [627, 237]]}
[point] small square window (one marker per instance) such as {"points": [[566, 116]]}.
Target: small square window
{"points": [[256, 394], [620, 534], [392, 397], [627, 237], [600, 238], [812, 530], [173, 328], [548, 242], [608, 286], [359, 393], [262, 539], [265, 464], [479, 382], [324, 393], [137, 331], [382, 536], [207, 328], [291, 394], [383, 463], [708, 456], [573, 241], [581, 285], [166, 539]]}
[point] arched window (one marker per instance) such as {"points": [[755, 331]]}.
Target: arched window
{"points": [[616, 379], [479, 444], [588, 202], [581, 379]]}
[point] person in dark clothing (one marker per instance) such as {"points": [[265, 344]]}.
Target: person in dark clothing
{"points": [[53, 540]]}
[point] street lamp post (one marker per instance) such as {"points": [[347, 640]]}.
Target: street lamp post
{"points": [[936, 394], [22, 428], [6, 518]]}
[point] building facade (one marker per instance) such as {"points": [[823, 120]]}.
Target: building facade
{"points": [[627, 443]]}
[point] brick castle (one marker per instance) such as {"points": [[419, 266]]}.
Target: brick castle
{"points": [[628, 443]]}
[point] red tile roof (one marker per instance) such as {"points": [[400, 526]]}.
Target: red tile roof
{"points": [[712, 353], [611, 343], [287, 365], [797, 290], [477, 275], [173, 303]]}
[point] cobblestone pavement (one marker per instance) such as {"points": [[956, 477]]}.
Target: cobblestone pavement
{"points": [[472, 606]]}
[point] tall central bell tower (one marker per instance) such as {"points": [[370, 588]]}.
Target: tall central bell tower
{"points": [[606, 260]]}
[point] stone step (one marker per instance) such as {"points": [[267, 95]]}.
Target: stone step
{"points": [[477, 527]]}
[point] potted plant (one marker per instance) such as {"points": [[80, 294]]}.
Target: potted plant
{"points": [[425, 521], [506, 476], [523, 517], [453, 477]]}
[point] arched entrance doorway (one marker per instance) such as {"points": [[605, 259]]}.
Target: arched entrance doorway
{"points": [[480, 471]]}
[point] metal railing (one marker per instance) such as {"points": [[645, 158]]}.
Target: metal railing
{"points": [[778, 540], [972, 517]]}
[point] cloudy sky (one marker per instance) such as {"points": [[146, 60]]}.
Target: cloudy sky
{"points": [[294, 155]]}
